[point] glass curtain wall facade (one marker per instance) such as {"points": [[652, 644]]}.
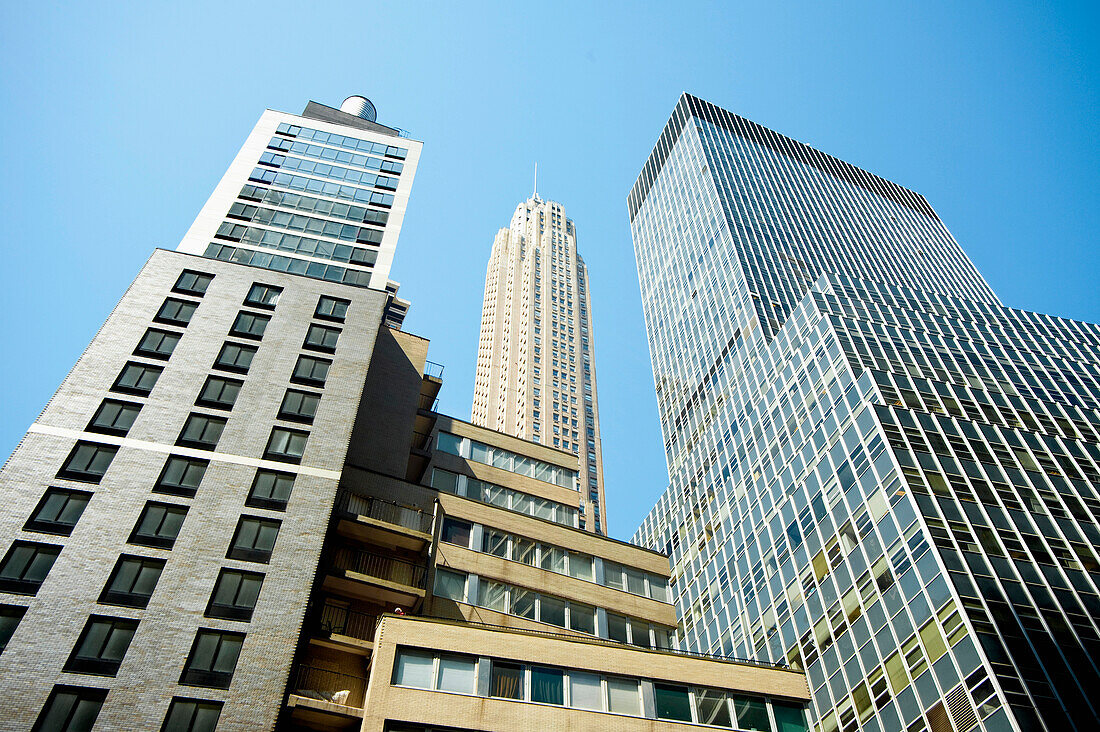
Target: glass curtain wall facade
{"points": [[878, 473], [536, 370], [321, 194]]}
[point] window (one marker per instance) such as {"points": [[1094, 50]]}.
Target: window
{"points": [[26, 565], [10, 615], [506, 680], [270, 489], [456, 532], [114, 417], [159, 525], [58, 511], [456, 673], [219, 392], [299, 406], [132, 582], [250, 325], [672, 702], [193, 283], [494, 542], [310, 370], [235, 595], [413, 668], [201, 431], [70, 709], [101, 646], [331, 308], [580, 566], [176, 312], [547, 685], [181, 476], [624, 696], [212, 659], [263, 296], [582, 618], [254, 539], [235, 357], [157, 344], [192, 715], [88, 462], [752, 714], [492, 595], [137, 378], [552, 611], [789, 718], [712, 708], [286, 445], [322, 338], [450, 585], [585, 691]]}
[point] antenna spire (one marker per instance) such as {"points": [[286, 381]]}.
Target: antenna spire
{"points": [[536, 193]]}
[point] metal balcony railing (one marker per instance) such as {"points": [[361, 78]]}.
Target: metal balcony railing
{"points": [[338, 620], [387, 511], [422, 441], [427, 403], [382, 567], [433, 369], [330, 686]]}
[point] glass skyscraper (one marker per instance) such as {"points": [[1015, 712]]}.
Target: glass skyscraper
{"points": [[878, 473]]}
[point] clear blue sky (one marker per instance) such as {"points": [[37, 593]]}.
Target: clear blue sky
{"points": [[117, 120]]}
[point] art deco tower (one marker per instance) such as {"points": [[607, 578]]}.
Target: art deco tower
{"points": [[536, 373], [878, 472]]}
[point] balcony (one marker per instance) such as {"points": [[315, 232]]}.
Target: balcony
{"points": [[376, 521], [344, 629], [433, 370], [377, 578], [326, 700]]}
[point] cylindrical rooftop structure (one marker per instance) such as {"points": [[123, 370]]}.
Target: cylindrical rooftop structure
{"points": [[360, 107]]}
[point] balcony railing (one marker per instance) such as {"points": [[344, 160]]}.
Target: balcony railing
{"points": [[339, 620], [614, 643], [379, 566], [329, 686], [387, 511], [427, 403], [433, 369], [422, 440]]}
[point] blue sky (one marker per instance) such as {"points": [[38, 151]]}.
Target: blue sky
{"points": [[117, 120]]}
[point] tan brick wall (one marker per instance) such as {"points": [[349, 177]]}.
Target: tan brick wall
{"points": [[385, 701]]}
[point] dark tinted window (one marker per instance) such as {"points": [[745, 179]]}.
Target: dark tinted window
{"points": [[132, 582], [26, 565], [193, 283], [137, 378], [159, 525], [58, 511]]}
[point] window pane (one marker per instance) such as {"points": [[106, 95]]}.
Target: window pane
{"points": [[523, 550], [712, 708], [495, 543], [585, 691], [547, 686], [553, 559], [523, 602], [456, 532], [635, 582], [580, 566], [616, 628], [413, 669], [552, 611], [672, 702], [450, 443], [639, 633], [752, 714], [506, 680], [788, 718], [444, 480], [450, 585], [582, 618], [456, 674], [493, 595], [624, 697]]}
